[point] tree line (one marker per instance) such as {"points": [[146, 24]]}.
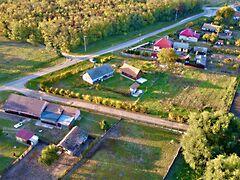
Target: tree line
{"points": [[62, 24]]}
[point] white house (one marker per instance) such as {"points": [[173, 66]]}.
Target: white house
{"points": [[189, 35]]}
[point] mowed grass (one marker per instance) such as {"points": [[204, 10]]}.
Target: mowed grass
{"points": [[191, 90], [18, 59], [8, 146], [137, 151]]}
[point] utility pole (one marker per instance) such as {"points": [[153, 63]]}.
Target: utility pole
{"points": [[85, 43]]}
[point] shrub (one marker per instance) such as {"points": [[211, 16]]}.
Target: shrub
{"points": [[104, 125], [49, 154]]}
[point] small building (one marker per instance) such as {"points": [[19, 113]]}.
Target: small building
{"points": [[73, 141], [220, 43], [200, 50], [201, 61], [162, 43], [98, 74], [226, 35], [27, 137], [189, 35], [134, 91], [211, 27], [25, 106], [130, 71], [236, 16], [181, 47]]}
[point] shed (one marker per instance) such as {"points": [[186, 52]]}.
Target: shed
{"points": [[27, 137]]}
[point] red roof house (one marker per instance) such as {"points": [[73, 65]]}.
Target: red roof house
{"points": [[27, 137], [189, 35], [162, 43]]}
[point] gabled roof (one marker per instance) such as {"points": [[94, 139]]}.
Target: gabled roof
{"points": [[100, 71], [52, 112], [189, 33], [200, 49], [181, 45], [130, 70], [70, 111], [24, 134], [237, 14], [211, 26], [163, 43], [26, 105]]}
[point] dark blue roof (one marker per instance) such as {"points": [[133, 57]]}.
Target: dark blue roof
{"points": [[100, 71]]}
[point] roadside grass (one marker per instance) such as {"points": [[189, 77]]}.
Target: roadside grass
{"points": [[19, 59], [4, 95], [89, 122], [114, 40], [136, 150], [8, 146]]}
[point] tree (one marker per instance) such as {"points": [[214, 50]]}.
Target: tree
{"points": [[225, 15], [223, 167], [49, 154], [210, 37], [237, 43], [167, 56], [104, 125], [208, 135]]}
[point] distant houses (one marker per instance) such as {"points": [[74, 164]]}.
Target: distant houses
{"points": [[48, 113], [130, 71], [236, 16], [211, 27], [189, 35], [164, 42], [98, 74]]}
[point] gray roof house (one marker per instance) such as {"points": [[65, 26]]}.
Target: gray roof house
{"points": [[202, 50], [181, 46], [73, 141], [98, 74]]}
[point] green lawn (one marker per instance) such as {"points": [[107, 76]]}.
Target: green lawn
{"points": [[18, 59], [137, 152], [8, 146]]}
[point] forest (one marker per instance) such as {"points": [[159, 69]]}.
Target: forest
{"points": [[62, 24]]}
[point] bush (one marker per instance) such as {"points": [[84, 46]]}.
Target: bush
{"points": [[49, 154], [104, 125]]}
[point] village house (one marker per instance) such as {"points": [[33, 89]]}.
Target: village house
{"points": [[201, 56], [130, 71], [200, 50], [181, 47], [236, 16], [98, 74], [26, 106], [164, 42], [27, 137], [189, 35], [225, 35], [220, 42], [73, 142], [211, 27]]}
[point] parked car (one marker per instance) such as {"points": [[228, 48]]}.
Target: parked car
{"points": [[18, 125]]}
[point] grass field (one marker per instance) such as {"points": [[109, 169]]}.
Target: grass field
{"points": [[137, 151], [8, 146], [164, 92], [18, 59]]}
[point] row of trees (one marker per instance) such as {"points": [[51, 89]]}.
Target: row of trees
{"points": [[62, 24], [211, 145]]}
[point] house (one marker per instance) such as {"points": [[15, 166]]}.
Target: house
{"points": [[189, 35], [201, 61], [236, 16], [181, 47], [27, 137], [98, 74], [226, 35], [60, 116], [220, 43], [200, 50], [211, 27], [134, 91], [73, 142], [25, 106], [164, 42], [130, 71]]}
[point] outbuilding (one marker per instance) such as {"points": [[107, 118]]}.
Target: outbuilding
{"points": [[130, 71], [27, 137]]}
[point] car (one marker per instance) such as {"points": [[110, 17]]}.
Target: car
{"points": [[18, 125]]}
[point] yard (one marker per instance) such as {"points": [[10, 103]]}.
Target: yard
{"points": [[165, 92], [137, 151], [18, 59], [8, 146]]}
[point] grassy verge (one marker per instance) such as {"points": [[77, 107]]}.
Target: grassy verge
{"points": [[19, 59], [137, 151]]}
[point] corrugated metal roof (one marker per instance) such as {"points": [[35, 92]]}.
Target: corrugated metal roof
{"points": [[100, 71]]}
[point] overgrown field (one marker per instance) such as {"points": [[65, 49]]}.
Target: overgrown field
{"points": [[137, 151], [166, 94], [19, 59]]}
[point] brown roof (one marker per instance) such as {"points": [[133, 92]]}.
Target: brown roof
{"points": [[130, 70], [25, 105], [134, 85], [54, 108], [70, 111]]}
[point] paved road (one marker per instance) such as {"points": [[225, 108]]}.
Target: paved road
{"points": [[19, 85]]}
